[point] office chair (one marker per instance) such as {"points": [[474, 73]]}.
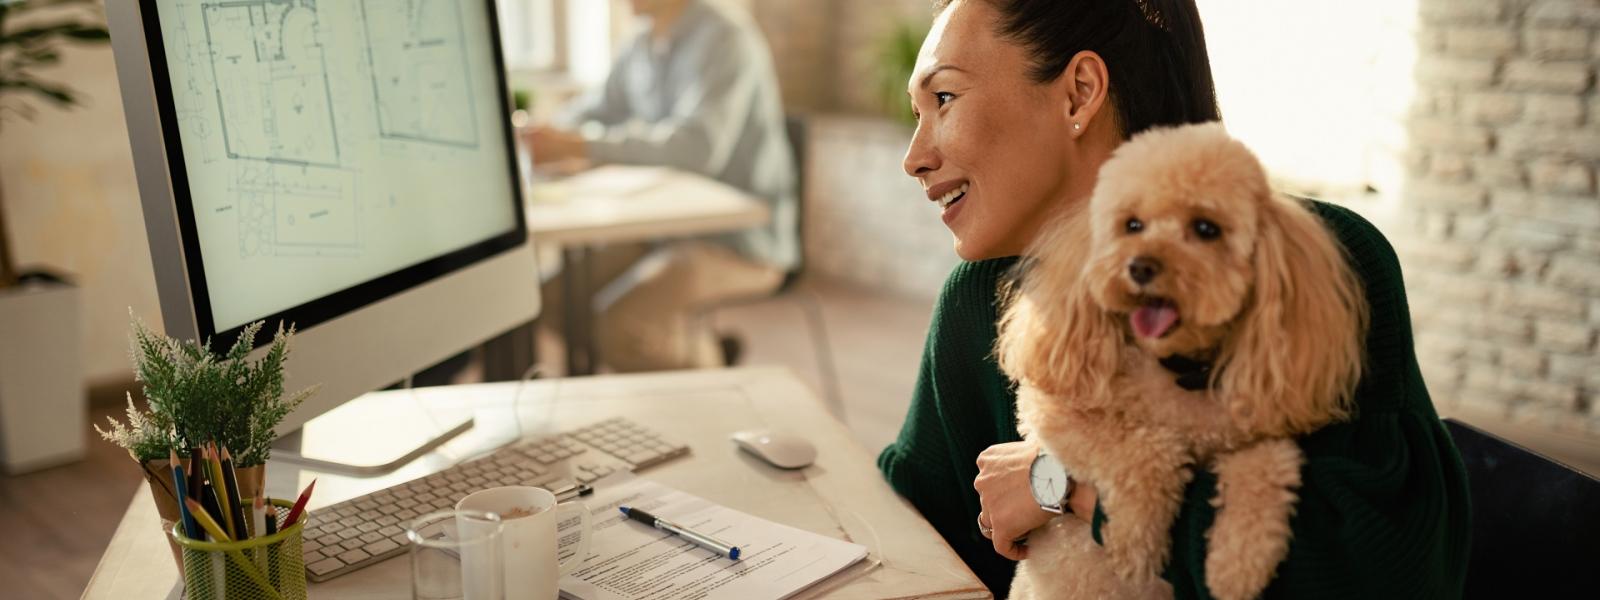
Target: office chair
{"points": [[804, 299], [1535, 521]]}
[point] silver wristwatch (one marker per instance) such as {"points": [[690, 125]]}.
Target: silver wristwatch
{"points": [[1051, 483]]}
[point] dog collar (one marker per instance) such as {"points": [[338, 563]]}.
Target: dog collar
{"points": [[1192, 375]]}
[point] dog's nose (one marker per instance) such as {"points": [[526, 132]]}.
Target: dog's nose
{"points": [[1143, 269]]}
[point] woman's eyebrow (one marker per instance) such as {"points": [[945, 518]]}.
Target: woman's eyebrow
{"points": [[935, 71]]}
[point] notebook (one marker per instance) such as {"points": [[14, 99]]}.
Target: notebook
{"points": [[629, 560]]}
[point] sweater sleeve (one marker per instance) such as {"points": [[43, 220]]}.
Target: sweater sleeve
{"points": [[961, 405], [1383, 508]]}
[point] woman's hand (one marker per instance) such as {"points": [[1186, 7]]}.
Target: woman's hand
{"points": [[551, 145], [1005, 494]]}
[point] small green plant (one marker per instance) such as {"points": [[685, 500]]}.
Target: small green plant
{"points": [[897, 59], [196, 396]]}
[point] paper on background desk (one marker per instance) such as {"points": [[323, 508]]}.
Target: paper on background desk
{"points": [[616, 181], [629, 560]]}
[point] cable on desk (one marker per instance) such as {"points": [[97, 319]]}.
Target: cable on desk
{"points": [[516, 397]]}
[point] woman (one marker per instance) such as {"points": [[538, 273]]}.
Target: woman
{"points": [[1018, 103]]}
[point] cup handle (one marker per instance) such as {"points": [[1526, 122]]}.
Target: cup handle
{"points": [[586, 525]]}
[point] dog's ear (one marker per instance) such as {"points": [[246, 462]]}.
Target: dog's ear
{"points": [[1053, 335], [1292, 364]]}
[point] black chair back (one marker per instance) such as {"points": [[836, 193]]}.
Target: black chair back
{"points": [[1535, 521], [795, 127]]}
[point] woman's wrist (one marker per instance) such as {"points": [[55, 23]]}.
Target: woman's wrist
{"points": [[1082, 500]]}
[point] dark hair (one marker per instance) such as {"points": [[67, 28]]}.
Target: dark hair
{"points": [[1154, 50]]}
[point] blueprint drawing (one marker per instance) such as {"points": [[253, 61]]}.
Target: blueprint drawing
{"points": [[271, 81], [286, 210], [416, 54]]}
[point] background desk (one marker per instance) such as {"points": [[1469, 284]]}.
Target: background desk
{"points": [[620, 205], [841, 495]]}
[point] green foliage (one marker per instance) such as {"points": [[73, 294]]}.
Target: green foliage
{"points": [[36, 43], [145, 435], [197, 396], [897, 58]]}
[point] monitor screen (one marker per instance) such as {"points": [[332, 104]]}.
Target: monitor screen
{"points": [[333, 153]]}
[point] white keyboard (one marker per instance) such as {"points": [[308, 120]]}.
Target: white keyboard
{"points": [[368, 529]]}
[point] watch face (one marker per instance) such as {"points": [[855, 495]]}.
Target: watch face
{"points": [[1049, 481]]}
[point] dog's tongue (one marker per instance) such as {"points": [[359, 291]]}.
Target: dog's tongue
{"points": [[1153, 321]]}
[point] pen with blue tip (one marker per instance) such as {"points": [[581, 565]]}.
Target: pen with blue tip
{"points": [[720, 547]]}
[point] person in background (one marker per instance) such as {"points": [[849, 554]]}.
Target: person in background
{"points": [[694, 90], [1019, 102]]}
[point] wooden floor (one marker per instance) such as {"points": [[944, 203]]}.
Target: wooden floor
{"points": [[56, 523]]}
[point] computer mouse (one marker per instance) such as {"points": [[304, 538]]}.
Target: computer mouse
{"points": [[782, 450]]}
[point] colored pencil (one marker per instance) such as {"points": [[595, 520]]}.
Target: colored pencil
{"points": [[214, 461], [299, 505], [216, 531], [207, 522], [197, 475], [208, 501], [230, 482], [259, 528], [272, 549], [191, 528]]}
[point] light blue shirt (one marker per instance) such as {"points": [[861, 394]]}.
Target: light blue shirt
{"points": [[705, 99]]}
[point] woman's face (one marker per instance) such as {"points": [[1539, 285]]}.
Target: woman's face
{"points": [[994, 144]]}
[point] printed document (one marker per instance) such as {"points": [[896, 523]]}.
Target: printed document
{"points": [[630, 560]]}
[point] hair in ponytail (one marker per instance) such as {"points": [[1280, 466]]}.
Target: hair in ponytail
{"points": [[1154, 50]]}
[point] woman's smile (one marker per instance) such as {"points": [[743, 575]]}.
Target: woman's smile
{"points": [[953, 207], [954, 195]]}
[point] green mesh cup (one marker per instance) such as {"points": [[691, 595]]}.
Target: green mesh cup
{"points": [[260, 568]]}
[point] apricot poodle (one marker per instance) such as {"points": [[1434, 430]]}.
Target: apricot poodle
{"points": [[1188, 317]]}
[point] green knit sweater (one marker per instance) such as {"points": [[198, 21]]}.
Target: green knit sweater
{"points": [[1383, 509]]}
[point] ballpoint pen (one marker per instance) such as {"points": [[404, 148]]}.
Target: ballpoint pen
{"points": [[699, 539]]}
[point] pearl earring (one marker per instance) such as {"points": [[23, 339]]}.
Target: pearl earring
{"points": [[1077, 126]]}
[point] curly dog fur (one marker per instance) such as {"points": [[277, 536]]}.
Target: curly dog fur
{"points": [[1183, 250]]}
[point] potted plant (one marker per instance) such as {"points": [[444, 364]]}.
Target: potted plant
{"points": [[23, 48], [42, 402], [197, 397]]}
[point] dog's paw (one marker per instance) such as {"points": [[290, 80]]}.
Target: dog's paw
{"points": [[1234, 578], [1136, 554], [1250, 536]]}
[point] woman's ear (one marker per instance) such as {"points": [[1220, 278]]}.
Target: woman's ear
{"points": [[1088, 86], [1053, 335], [1293, 362]]}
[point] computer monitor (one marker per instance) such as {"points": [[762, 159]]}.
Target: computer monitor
{"points": [[346, 166]]}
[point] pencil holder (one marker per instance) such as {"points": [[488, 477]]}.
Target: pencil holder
{"points": [[259, 568]]}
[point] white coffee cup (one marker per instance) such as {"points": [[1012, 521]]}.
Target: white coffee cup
{"points": [[529, 518]]}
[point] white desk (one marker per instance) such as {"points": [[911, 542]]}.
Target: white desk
{"points": [[617, 205], [841, 495]]}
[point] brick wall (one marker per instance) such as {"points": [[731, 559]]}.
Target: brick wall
{"points": [[826, 51], [1503, 257], [801, 39]]}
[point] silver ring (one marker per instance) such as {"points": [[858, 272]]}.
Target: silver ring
{"points": [[988, 532]]}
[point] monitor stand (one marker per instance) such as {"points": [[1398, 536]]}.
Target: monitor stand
{"points": [[389, 439]]}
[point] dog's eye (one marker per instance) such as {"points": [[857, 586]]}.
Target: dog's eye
{"points": [[1206, 229], [1134, 225]]}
